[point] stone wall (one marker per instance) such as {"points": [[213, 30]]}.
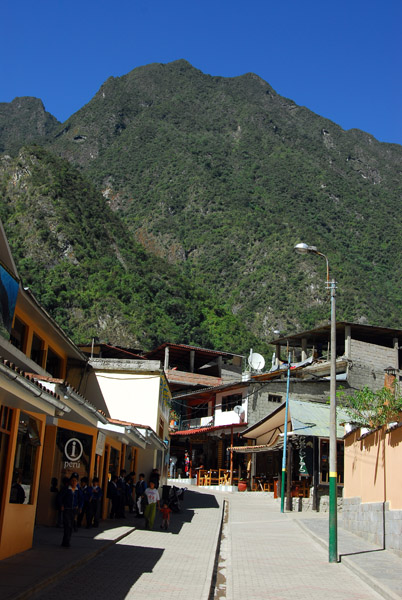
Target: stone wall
{"points": [[368, 364], [259, 406], [375, 522]]}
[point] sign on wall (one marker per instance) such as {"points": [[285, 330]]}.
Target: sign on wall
{"points": [[8, 300]]}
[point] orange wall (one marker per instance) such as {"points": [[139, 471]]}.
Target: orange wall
{"points": [[44, 335], [373, 467], [46, 514]]}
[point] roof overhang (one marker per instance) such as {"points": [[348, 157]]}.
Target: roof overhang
{"points": [[304, 419], [19, 391], [128, 435]]}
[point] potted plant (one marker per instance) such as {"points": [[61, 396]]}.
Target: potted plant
{"points": [[242, 485]]}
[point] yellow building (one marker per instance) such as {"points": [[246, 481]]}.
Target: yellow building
{"points": [[48, 430]]}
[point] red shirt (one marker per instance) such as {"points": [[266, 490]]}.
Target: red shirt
{"points": [[166, 512]]}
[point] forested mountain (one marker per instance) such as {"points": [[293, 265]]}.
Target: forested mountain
{"points": [[218, 179]]}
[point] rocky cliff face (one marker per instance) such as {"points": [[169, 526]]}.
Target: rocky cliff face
{"points": [[220, 177], [23, 121]]}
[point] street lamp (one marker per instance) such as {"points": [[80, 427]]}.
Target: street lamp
{"points": [[333, 526]]}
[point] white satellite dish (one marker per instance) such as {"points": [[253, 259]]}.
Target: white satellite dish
{"points": [[256, 361], [238, 410]]}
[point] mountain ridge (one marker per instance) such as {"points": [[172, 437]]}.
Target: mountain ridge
{"points": [[222, 176]]}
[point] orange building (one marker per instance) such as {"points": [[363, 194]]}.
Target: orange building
{"points": [[48, 430]]}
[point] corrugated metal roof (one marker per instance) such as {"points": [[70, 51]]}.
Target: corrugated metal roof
{"points": [[312, 418]]}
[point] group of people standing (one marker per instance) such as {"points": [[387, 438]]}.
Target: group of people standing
{"points": [[78, 499]]}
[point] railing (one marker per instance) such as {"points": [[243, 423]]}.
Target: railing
{"points": [[195, 423]]}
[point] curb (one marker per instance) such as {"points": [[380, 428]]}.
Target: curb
{"points": [[209, 587], [68, 569], [376, 585]]}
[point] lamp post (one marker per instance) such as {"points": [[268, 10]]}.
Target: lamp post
{"points": [[333, 526]]}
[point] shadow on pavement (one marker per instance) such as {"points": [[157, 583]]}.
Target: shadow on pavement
{"points": [[199, 500], [111, 575], [192, 500]]}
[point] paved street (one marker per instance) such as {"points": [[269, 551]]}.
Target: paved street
{"points": [[177, 564], [263, 555], [271, 558]]}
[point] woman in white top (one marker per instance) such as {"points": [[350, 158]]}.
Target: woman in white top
{"points": [[152, 496]]}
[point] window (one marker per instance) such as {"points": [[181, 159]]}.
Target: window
{"points": [[18, 334], [274, 398], [6, 415], [229, 402], [28, 440], [53, 363], [37, 350]]}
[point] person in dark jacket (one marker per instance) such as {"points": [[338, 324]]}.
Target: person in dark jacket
{"points": [[71, 505], [96, 502], [140, 488], [154, 477], [113, 496], [86, 491]]}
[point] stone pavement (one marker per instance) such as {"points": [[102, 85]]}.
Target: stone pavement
{"points": [[269, 557], [152, 564], [263, 555]]}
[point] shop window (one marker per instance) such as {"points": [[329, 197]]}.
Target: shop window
{"points": [[114, 462], [324, 461], [229, 402], [28, 441], [53, 363], [37, 350], [5, 428], [72, 454], [18, 334]]}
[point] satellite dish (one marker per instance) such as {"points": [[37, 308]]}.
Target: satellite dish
{"points": [[238, 409], [256, 361]]}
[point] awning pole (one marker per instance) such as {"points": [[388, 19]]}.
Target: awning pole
{"points": [[285, 440]]}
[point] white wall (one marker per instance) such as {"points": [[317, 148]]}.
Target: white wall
{"points": [[229, 417], [132, 398]]}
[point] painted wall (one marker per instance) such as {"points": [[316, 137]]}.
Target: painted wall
{"points": [[373, 467], [131, 397], [230, 416]]}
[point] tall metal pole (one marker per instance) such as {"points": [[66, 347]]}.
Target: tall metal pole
{"points": [[333, 475], [285, 441]]}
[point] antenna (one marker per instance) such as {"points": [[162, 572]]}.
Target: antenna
{"points": [[256, 361]]}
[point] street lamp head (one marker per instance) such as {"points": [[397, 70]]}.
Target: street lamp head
{"points": [[304, 248]]}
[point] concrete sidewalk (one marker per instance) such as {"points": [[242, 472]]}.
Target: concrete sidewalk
{"points": [[268, 556], [381, 569], [122, 560], [28, 572]]}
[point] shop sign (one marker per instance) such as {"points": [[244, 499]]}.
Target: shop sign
{"points": [[73, 451], [100, 443]]}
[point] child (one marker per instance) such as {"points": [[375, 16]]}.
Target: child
{"points": [[165, 516]]}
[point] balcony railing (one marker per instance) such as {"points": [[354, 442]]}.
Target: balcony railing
{"points": [[196, 423]]}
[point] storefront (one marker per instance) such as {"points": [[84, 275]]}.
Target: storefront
{"points": [[24, 407]]}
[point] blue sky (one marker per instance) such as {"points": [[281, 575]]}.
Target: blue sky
{"points": [[340, 59]]}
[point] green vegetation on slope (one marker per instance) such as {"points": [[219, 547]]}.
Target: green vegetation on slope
{"points": [[93, 278], [221, 177]]}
